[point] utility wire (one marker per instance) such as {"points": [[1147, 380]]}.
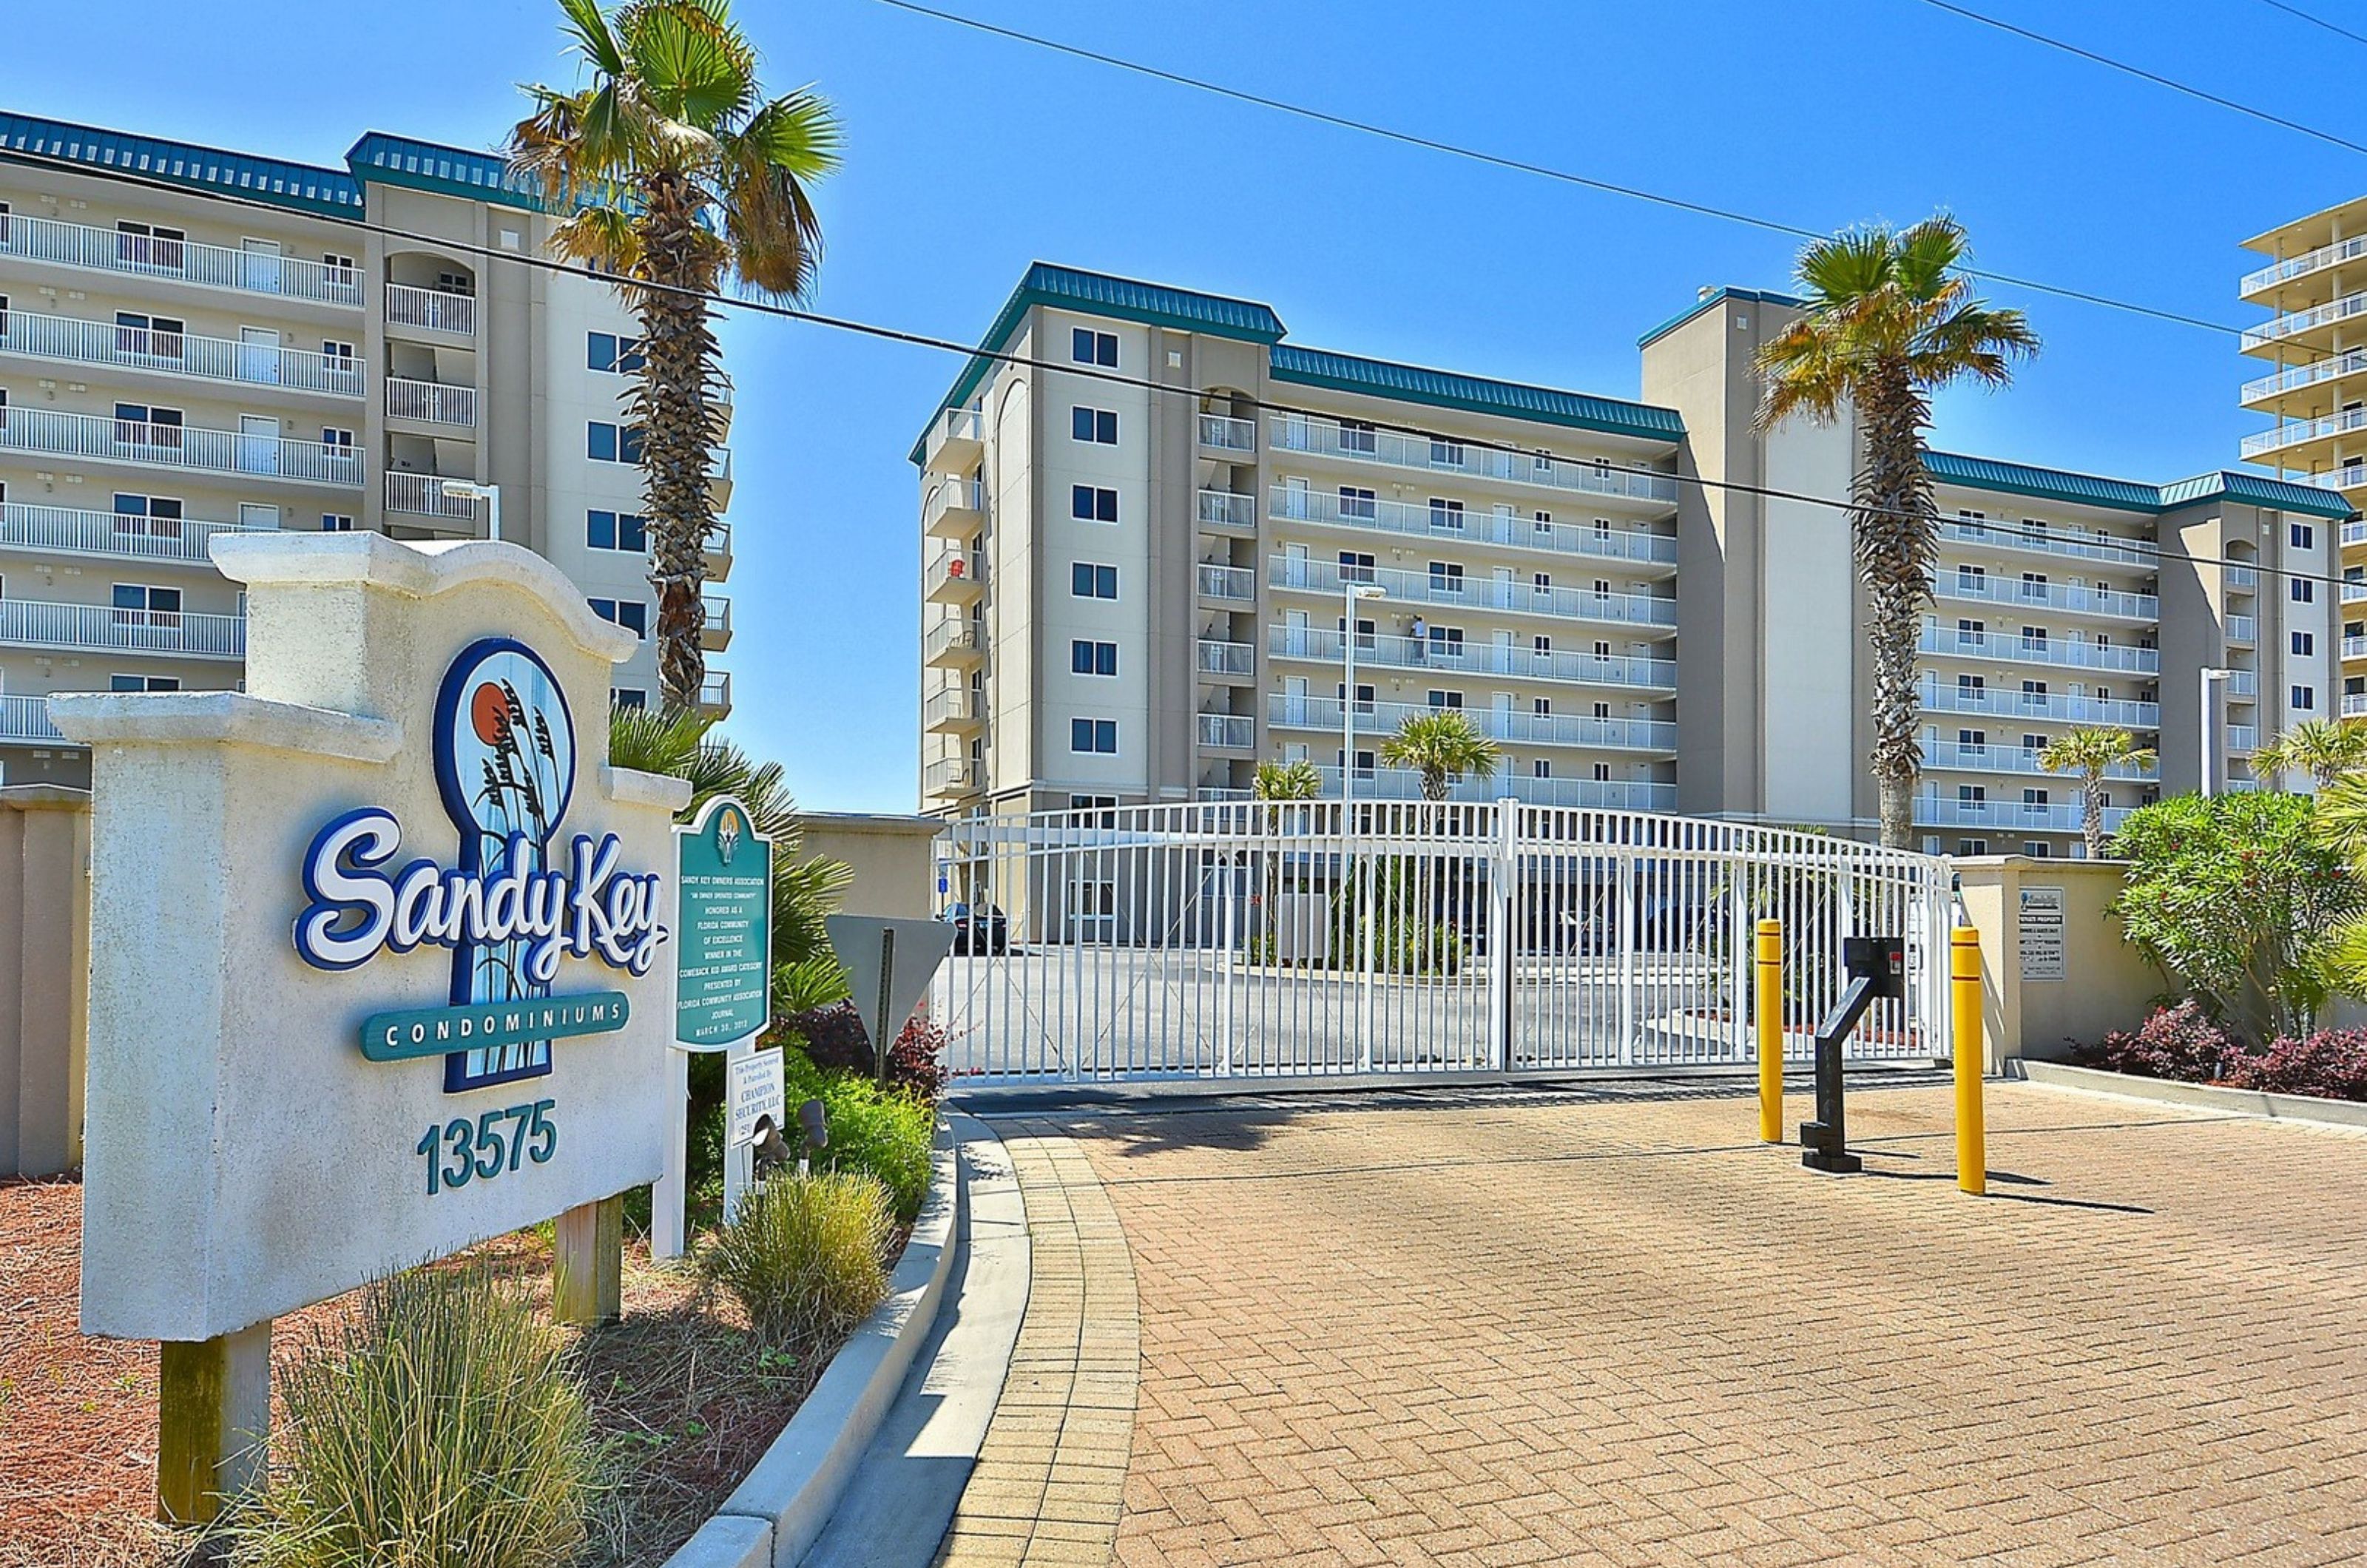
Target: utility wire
{"points": [[2108, 64], [2314, 21], [1097, 373]]}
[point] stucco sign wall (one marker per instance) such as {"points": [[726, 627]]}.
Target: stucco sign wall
{"points": [[377, 944]]}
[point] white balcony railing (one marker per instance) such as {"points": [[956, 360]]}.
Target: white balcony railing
{"points": [[1956, 756], [1434, 455], [2068, 653], [2242, 739], [2011, 815], [715, 692], [1512, 727], [431, 402], [950, 640], [1219, 658], [27, 718], [1987, 590], [1940, 696], [950, 705], [2240, 629], [423, 495], [2244, 684], [99, 439], [1221, 433], [1229, 731], [1447, 656], [717, 618], [2039, 541], [431, 309], [949, 775], [1229, 585], [103, 628], [178, 261], [70, 341], [954, 570], [2295, 323], [2302, 265], [2354, 705], [1223, 509], [2355, 532], [1603, 795], [2298, 430], [2296, 377], [949, 495], [2243, 579], [1291, 503], [1461, 591], [107, 533], [2350, 476]]}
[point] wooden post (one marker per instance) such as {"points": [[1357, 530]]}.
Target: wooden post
{"points": [[213, 1406], [590, 1283]]}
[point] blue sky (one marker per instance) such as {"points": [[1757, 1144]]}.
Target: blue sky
{"points": [[969, 156]]}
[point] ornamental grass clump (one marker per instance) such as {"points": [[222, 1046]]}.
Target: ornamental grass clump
{"points": [[803, 1258], [442, 1426]]}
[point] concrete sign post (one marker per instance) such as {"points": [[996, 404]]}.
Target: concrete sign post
{"points": [[890, 964], [376, 963]]}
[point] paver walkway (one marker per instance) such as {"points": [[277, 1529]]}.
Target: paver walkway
{"points": [[1507, 1329]]}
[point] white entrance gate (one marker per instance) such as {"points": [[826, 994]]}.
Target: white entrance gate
{"points": [[1252, 938]]}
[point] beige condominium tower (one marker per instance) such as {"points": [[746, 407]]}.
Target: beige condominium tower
{"points": [[1133, 593], [195, 341]]}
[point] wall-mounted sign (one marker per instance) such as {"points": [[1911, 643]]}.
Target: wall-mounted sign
{"points": [[2042, 933], [723, 961]]}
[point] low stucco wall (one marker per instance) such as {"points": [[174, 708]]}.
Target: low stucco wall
{"points": [[2106, 984], [44, 976], [891, 856]]}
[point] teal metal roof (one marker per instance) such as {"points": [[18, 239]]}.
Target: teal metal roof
{"points": [[2130, 495], [1445, 389], [446, 171], [302, 188], [1716, 296]]}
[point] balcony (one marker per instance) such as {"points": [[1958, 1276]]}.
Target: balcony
{"points": [[1434, 455], [2256, 448], [2024, 594], [2026, 540], [719, 551], [719, 476], [177, 261], [953, 642], [103, 628], [2240, 629], [1939, 697], [1227, 731], [189, 448], [2350, 476], [1233, 437], [1322, 646], [423, 495], [955, 508], [1509, 727], [949, 775], [715, 694], [2244, 684], [431, 402], [951, 708], [2354, 705], [2242, 739], [715, 633], [1222, 512], [2279, 273], [58, 530], [2062, 653], [2242, 579], [1228, 584], [68, 340], [956, 577], [2354, 532], [2301, 377], [2354, 648], [2295, 322], [1509, 595], [431, 309], [1632, 546], [1952, 756], [2009, 816], [1601, 794], [956, 441], [1227, 662], [27, 719]]}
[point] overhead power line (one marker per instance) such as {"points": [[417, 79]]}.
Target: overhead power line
{"points": [[2314, 21], [725, 302]]}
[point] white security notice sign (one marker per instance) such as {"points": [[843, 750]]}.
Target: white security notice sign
{"points": [[2042, 933], [756, 1091]]}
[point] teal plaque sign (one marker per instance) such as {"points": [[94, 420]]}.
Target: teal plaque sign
{"points": [[723, 946], [490, 1025]]}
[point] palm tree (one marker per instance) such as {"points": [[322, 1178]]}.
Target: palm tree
{"points": [[1889, 321], [2091, 753], [1286, 780], [676, 169], [2324, 749], [1441, 747]]}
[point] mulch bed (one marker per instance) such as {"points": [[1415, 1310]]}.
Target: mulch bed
{"points": [[686, 1396]]}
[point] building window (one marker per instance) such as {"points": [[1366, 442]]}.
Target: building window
{"points": [[1087, 346], [1098, 426], [1355, 567], [1445, 453], [2304, 698], [630, 614], [150, 245], [142, 683], [1086, 658], [606, 443], [1542, 523], [156, 516], [2304, 643], [1446, 699], [1542, 647], [2035, 848], [1091, 503], [1356, 435], [1089, 582], [1972, 846], [141, 424], [628, 697], [1445, 576], [604, 530], [340, 270], [611, 354], [1445, 515], [1543, 707], [1602, 772], [1540, 769], [1542, 582], [2304, 592], [2304, 537], [1094, 736], [339, 354], [336, 523], [1446, 642], [137, 605], [1354, 502]]}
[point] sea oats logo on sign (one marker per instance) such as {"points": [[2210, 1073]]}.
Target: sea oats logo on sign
{"points": [[519, 901]]}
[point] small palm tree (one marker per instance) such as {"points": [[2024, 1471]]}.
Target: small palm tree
{"points": [[678, 170], [2091, 753], [1286, 780], [1890, 319], [1441, 747], [2324, 749]]}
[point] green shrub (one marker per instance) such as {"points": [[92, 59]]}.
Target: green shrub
{"points": [[803, 1257], [883, 1132], [442, 1426]]}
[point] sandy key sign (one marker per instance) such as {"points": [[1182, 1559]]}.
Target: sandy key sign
{"points": [[723, 950]]}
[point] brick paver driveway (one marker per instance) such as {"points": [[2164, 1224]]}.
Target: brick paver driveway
{"points": [[1503, 1329]]}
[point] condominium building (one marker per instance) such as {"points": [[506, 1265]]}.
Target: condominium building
{"points": [[1134, 595], [2314, 392], [195, 341]]}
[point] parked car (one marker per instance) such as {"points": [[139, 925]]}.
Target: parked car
{"points": [[978, 927]]}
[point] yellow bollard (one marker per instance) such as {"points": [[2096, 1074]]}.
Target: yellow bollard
{"points": [[1965, 996], [1771, 1032]]}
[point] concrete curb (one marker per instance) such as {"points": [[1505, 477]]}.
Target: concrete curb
{"points": [[2193, 1096], [774, 1515]]}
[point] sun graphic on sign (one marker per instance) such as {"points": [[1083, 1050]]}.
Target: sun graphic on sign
{"points": [[489, 714]]}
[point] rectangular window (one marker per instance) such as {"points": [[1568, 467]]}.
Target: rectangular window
{"points": [[341, 354], [142, 683], [1542, 582], [1355, 503], [2035, 848], [2304, 537], [2304, 643], [1445, 453], [156, 516], [1355, 567], [335, 440], [1602, 772], [1092, 503], [630, 614], [1445, 576], [1446, 699], [2304, 698], [1446, 642], [1542, 647], [1094, 736], [1540, 706], [608, 353], [2033, 797], [1542, 523], [606, 530], [1446, 515], [1098, 426], [137, 605], [1087, 346], [1087, 657], [1540, 769], [1355, 435], [336, 523], [2304, 592], [340, 267], [1087, 580], [628, 697], [1972, 846]]}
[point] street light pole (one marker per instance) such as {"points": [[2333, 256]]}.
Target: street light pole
{"points": [[1350, 591], [2214, 731], [491, 495]]}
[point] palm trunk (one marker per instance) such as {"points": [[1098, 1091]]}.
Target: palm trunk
{"points": [[2091, 815], [670, 404], [1896, 540]]}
